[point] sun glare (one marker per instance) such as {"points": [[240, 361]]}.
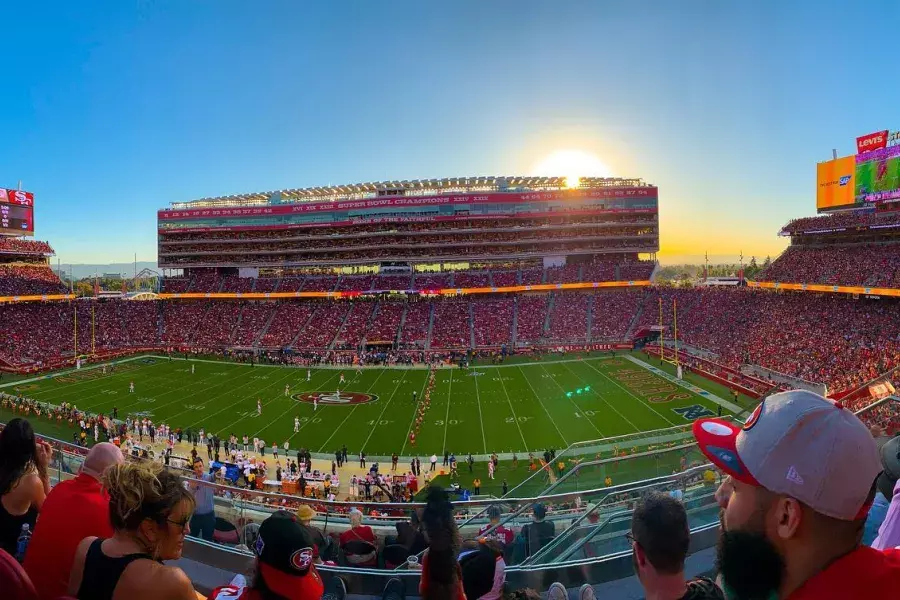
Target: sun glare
{"points": [[573, 165]]}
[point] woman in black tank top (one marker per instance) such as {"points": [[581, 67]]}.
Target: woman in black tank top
{"points": [[24, 482], [101, 573], [149, 510]]}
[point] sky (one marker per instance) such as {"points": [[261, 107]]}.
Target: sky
{"points": [[112, 109]]}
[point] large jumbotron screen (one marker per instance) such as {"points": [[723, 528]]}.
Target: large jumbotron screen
{"points": [[16, 212], [878, 175]]}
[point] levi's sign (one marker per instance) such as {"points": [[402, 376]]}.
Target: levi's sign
{"points": [[873, 141]]}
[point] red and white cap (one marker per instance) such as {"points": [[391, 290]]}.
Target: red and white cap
{"points": [[801, 445]]}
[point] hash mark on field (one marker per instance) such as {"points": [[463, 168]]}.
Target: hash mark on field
{"points": [[447, 417], [533, 391], [413, 420], [515, 418], [594, 425], [350, 413], [381, 414], [480, 419]]}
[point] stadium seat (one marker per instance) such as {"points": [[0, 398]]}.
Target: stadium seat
{"points": [[14, 581]]}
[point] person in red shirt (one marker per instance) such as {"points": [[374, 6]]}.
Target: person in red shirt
{"points": [[74, 509], [498, 533], [362, 533], [801, 479], [284, 564]]}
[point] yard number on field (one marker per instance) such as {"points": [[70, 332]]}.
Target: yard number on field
{"points": [[519, 419]]}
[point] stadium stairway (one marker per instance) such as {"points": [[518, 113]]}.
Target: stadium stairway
{"points": [[551, 301], [430, 327], [471, 325], [309, 320], [265, 328], [237, 322], [515, 321], [590, 318], [399, 333], [340, 329]]}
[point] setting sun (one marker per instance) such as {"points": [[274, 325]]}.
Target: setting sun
{"points": [[573, 165]]}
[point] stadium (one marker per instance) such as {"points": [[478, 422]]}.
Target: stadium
{"points": [[504, 337]]}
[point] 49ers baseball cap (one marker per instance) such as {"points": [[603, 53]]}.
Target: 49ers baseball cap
{"points": [[801, 445], [285, 552]]}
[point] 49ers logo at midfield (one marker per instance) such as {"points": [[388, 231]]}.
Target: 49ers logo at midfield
{"points": [[335, 399]]}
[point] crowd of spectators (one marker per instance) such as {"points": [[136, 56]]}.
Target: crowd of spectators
{"points": [[613, 312], [452, 325], [843, 220], [23, 280], [873, 265], [289, 319], [328, 318], [531, 316], [24, 247], [174, 238], [414, 331], [600, 269], [254, 316], [569, 317], [356, 325], [492, 319]]}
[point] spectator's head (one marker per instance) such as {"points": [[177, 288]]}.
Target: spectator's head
{"points": [[479, 568], [355, 517], [305, 514], [660, 540], [151, 505], [285, 556], [101, 457], [539, 512], [493, 513], [198, 467], [18, 453], [802, 471]]}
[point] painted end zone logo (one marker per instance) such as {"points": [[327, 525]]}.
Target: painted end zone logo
{"points": [[335, 398]]}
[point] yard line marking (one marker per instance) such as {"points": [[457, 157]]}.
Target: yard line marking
{"points": [[605, 401], [447, 416], [533, 391], [349, 414], [381, 414], [515, 417], [572, 402], [480, 418], [413, 420], [627, 391]]}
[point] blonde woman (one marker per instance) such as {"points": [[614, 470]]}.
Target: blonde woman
{"points": [[149, 510]]}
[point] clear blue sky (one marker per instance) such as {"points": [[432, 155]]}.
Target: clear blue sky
{"points": [[113, 109]]}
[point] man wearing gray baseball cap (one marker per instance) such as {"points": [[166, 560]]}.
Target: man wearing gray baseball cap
{"points": [[802, 474]]}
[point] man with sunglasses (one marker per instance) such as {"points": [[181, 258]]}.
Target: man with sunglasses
{"points": [[802, 473], [659, 540]]}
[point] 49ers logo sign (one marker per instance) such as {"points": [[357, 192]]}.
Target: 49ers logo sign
{"points": [[335, 398]]}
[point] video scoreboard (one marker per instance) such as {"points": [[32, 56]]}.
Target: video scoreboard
{"points": [[16, 212]]}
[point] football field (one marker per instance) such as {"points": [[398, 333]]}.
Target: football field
{"points": [[525, 407]]}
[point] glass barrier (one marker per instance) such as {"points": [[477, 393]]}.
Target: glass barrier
{"points": [[573, 509]]}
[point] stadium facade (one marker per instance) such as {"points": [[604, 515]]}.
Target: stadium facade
{"points": [[429, 225]]}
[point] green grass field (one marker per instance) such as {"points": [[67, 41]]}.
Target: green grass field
{"points": [[508, 408]]}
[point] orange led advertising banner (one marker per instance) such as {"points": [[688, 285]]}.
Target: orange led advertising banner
{"points": [[836, 183]]}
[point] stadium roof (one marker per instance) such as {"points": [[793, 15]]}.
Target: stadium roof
{"points": [[418, 187]]}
